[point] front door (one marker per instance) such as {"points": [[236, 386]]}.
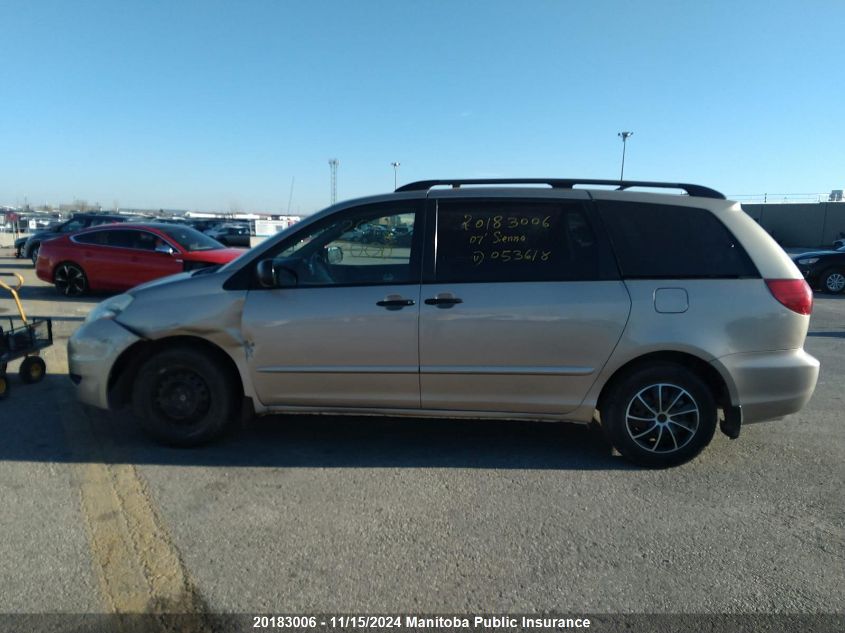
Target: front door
{"points": [[340, 329]]}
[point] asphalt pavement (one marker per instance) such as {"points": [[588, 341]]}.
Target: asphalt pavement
{"points": [[302, 514]]}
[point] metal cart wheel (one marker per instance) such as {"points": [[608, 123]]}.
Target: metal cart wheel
{"points": [[33, 369]]}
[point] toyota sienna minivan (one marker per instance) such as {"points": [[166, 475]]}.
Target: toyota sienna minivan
{"points": [[657, 314]]}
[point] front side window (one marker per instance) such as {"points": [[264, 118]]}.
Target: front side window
{"points": [[94, 237], [369, 245], [505, 241], [72, 225]]}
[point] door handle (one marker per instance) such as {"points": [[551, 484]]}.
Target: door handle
{"points": [[443, 301], [395, 302]]}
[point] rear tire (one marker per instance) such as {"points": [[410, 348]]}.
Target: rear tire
{"points": [[184, 397], [4, 387], [833, 281], [33, 254], [32, 370], [659, 415]]}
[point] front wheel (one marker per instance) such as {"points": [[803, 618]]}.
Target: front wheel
{"points": [[70, 280], [833, 281], [34, 253], [184, 397], [32, 370], [659, 415], [4, 386]]}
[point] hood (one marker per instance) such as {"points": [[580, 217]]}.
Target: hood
{"points": [[161, 281], [44, 235], [215, 256], [815, 254]]}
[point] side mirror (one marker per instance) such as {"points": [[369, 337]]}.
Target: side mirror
{"points": [[334, 255], [165, 249], [271, 276]]}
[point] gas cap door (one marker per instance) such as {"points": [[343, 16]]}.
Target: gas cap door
{"points": [[671, 300]]}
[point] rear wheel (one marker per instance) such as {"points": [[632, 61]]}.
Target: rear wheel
{"points": [[833, 281], [70, 280], [4, 386], [659, 415], [184, 397], [33, 369], [34, 253]]}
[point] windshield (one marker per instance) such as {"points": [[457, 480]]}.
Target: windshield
{"points": [[190, 239]]}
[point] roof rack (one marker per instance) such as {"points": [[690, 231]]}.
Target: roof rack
{"points": [[564, 183]]}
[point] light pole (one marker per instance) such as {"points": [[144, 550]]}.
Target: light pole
{"points": [[395, 172], [624, 136], [333, 163]]}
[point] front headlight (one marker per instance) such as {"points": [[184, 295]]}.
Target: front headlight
{"points": [[109, 308], [808, 261]]}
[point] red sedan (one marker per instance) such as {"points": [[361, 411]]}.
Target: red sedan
{"points": [[120, 256]]}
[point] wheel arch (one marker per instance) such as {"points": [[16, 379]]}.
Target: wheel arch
{"points": [[707, 372], [125, 369], [72, 262]]}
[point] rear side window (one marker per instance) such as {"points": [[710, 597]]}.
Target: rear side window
{"points": [[120, 239], [657, 241], [504, 241], [95, 237]]}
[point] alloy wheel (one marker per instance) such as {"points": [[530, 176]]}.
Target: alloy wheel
{"points": [[70, 280], [662, 418], [835, 282]]}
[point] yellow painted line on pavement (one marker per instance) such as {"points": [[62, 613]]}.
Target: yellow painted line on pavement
{"points": [[138, 567]]}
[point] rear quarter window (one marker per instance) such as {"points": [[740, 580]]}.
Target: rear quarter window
{"points": [[656, 241]]}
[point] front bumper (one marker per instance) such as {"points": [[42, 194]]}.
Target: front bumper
{"points": [[769, 385], [92, 352]]}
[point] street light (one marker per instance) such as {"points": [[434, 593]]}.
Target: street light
{"points": [[624, 136], [395, 172]]}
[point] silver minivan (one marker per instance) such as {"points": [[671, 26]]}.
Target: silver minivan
{"points": [[657, 314]]}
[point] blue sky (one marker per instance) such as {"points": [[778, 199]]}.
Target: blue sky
{"points": [[218, 105]]}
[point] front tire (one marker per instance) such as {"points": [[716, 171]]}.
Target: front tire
{"points": [[32, 370], [184, 397], [659, 415], [833, 281], [70, 280], [33, 254]]}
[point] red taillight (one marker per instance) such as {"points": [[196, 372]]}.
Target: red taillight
{"points": [[795, 294]]}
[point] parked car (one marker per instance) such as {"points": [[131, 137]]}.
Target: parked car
{"points": [[21, 241], [231, 234], [118, 257], [78, 222], [824, 270], [653, 314]]}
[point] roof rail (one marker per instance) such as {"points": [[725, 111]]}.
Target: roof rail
{"points": [[564, 183]]}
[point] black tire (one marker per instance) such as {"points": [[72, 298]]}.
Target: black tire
{"points": [[70, 280], [33, 253], [4, 386], [833, 281], [634, 415], [184, 397], [32, 370]]}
